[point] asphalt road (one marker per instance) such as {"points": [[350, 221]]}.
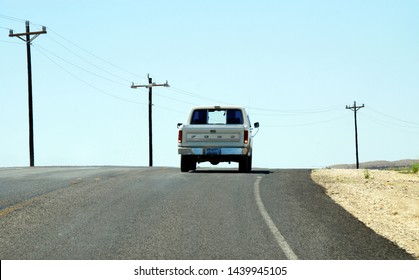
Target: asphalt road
{"points": [[161, 213]]}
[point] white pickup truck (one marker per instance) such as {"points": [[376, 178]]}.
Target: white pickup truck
{"points": [[216, 134]]}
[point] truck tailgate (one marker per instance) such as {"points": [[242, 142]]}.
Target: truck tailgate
{"points": [[213, 135]]}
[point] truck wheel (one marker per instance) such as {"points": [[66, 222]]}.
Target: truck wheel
{"points": [[249, 164], [245, 164], [187, 163], [192, 165], [184, 164]]}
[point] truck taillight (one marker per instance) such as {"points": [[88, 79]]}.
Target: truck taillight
{"points": [[246, 137], [179, 136]]}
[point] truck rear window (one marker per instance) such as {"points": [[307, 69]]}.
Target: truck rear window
{"points": [[217, 116]]}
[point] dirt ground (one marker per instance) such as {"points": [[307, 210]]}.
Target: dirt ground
{"points": [[385, 201]]}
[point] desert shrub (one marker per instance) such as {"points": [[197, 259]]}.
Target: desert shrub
{"points": [[366, 174]]}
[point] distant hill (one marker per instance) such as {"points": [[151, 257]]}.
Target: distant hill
{"points": [[379, 164]]}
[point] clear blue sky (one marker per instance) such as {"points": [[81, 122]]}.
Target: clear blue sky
{"points": [[294, 64]]}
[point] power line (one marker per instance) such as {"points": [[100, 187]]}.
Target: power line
{"points": [[96, 56], [394, 118], [87, 83], [56, 37], [81, 68], [176, 100], [52, 31], [267, 111], [8, 42], [402, 128], [169, 109], [180, 91], [188, 93], [12, 18], [88, 61], [270, 111], [306, 124]]}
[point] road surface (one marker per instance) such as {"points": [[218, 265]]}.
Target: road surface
{"points": [[161, 213]]}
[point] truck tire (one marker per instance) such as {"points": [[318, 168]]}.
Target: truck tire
{"points": [[184, 164], [187, 163], [249, 164], [245, 164], [192, 164]]}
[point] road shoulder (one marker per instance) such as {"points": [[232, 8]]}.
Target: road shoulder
{"points": [[385, 201]]}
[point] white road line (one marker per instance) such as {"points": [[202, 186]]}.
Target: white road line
{"points": [[280, 240]]}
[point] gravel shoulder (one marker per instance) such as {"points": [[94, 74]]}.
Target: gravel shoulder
{"points": [[385, 201]]}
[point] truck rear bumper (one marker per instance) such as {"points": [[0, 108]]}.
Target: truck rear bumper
{"points": [[213, 152]]}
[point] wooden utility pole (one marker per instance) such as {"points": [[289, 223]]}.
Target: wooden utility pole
{"points": [[150, 114], [26, 37], [355, 109]]}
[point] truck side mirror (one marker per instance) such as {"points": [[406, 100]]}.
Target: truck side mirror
{"points": [[179, 124], [256, 125]]}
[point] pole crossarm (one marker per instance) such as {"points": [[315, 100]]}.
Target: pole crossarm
{"points": [[26, 34], [166, 84], [355, 108], [36, 33]]}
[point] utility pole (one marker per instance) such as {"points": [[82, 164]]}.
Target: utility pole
{"points": [[355, 109], [26, 37], [150, 114]]}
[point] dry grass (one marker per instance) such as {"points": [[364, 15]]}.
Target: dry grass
{"points": [[386, 201]]}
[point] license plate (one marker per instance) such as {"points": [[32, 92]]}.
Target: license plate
{"points": [[213, 151]]}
